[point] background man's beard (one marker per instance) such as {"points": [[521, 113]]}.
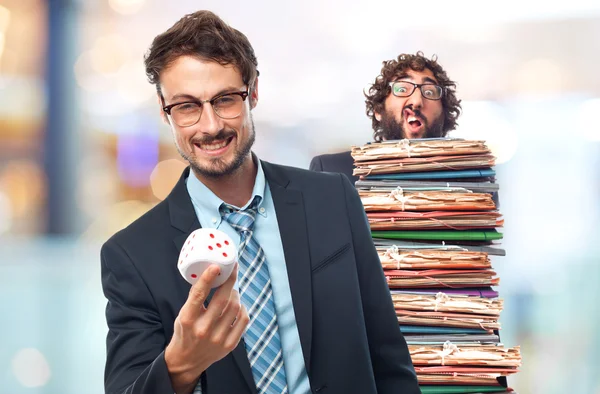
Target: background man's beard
{"points": [[219, 167], [393, 130]]}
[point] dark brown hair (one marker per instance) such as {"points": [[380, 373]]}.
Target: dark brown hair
{"points": [[206, 36], [392, 69]]}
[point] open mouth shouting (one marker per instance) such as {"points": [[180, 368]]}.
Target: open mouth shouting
{"points": [[414, 124]]}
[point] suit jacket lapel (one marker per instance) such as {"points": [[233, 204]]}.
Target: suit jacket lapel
{"points": [[183, 217], [291, 217]]}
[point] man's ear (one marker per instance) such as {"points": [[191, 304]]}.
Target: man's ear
{"points": [[254, 94], [377, 116], [163, 114]]}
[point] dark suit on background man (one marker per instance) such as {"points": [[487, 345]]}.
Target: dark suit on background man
{"points": [[342, 163], [348, 329]]}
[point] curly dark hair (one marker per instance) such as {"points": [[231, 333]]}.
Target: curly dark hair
{"points": [[203, 35], [391, 69]]}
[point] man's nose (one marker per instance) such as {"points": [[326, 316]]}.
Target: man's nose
{"points": [[416, 99], [210, 122]]}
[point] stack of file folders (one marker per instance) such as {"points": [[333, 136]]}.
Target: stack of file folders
{"points": [[433, 211]]}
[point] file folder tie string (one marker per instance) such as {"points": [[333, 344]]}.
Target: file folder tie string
{"points": [[398, 194], [444, 224], [408, 274], [440, 298], [394, 253], [405, 145], [447, 350]]}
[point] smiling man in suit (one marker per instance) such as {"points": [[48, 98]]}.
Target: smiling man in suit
{"points": [[411, 98], [307, 308]]}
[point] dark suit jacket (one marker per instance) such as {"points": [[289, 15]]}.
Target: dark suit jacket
{"points": [[347, 325], [342, 163]]}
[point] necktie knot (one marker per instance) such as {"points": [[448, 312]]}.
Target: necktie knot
{"points": [[241, 220]]}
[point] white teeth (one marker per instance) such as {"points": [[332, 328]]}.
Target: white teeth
{"points": [[412, 119], [214, 146]]}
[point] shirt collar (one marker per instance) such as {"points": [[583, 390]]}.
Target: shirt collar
{"points": [[208, 203]]}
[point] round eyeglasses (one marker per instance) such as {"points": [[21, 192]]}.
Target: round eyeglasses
{"points": [[188, 113], [429, 91]]}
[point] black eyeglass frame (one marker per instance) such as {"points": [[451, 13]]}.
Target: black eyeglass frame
{"points": [[420, 86]]}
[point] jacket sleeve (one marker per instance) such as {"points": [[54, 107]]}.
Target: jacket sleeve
{"points": [[316, 164], [136, 341], [392, 365]]}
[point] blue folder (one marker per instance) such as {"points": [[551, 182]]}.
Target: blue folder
{"points": [[486, 172], [440, 330]]}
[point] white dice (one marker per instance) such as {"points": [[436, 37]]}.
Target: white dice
{"points": [[204, 247]]}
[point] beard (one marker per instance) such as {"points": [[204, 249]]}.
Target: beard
{"points": [[391, 129], [218, 167]]}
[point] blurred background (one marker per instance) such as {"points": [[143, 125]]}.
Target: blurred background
{"points": [[83, 153]]}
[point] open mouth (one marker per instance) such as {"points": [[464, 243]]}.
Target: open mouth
{"points": [[414, 121], [414, 124], [215, 147]]}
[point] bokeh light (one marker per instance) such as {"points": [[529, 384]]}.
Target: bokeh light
{"points": [[31, 368], [4, 20], [109, 54], [6, 215], [86, 77], [24, 183], [164, 176], [126, 7], [132, 85]]}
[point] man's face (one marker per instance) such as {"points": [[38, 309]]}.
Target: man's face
{"points": [[414, 116], [213, 146]]}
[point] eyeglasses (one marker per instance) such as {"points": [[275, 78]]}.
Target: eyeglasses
{"points": [[429, 91], [226, 106]]}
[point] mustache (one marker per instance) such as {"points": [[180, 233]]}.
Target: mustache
{"points": [[221, 135], [417, 112]]}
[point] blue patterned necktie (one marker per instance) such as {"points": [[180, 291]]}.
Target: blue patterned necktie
{"points": [[262, 341]]}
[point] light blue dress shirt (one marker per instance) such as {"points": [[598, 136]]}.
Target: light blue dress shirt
{"points": [[266, 230]]}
